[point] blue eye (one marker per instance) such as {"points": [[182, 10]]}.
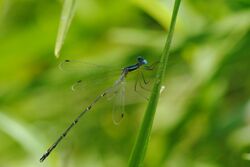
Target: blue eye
{"points": [[145, 61], [141, 60]]}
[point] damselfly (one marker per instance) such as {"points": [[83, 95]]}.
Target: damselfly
{"points": [[117, 87]]}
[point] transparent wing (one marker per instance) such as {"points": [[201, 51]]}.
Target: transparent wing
{"points": [[88, 74], [79, 65], [119, 102], [66, 18], [78, 85]]}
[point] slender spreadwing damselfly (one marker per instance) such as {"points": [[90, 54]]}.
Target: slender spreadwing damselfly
{"points": [[118, 88]]}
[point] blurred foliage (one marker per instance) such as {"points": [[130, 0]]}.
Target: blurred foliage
{"points": [[203, 118]]}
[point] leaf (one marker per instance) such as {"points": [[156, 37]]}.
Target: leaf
{"points": [[66, 18]]}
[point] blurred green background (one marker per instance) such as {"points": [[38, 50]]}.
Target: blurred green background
{"points": [[203, 116]]}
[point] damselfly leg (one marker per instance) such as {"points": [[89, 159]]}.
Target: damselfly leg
{"points": [[142, 82]]}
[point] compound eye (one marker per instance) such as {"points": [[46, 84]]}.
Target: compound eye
{"points": [[140, 59], [145, 61]]}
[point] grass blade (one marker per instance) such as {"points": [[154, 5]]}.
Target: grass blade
{"points": [[66, 17], [140, 147]]}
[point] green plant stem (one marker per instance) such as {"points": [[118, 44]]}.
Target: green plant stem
{"points": [[140, 147]]}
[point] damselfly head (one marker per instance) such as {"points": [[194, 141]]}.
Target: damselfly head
{"points": [[141, 60]]}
